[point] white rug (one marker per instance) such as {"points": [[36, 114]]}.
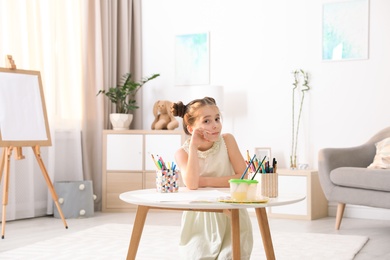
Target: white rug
{"points": [[111, 242]]}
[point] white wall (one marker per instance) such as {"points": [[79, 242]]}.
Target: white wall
{"points": [[254, 46]]}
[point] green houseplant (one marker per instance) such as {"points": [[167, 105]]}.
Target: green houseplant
{"points": [[124, 98]]}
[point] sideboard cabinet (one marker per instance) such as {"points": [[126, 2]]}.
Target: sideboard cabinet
{"points": [[306, 182], [128, 164]]}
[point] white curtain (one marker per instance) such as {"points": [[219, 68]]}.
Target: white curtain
{"points": [[44, 35], [79, 47]]}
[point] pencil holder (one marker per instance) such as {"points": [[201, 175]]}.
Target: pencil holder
{"points": [[167, 181], [269, 185]]}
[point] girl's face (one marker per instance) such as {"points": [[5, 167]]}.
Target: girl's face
{"points": [[209, 120]]}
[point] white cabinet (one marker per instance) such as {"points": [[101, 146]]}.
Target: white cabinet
{"points": [[164, 146], [128, 164], [304, 182], [121, 152]]}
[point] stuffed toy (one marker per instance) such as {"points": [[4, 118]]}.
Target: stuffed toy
{"points": [[163, 118]]}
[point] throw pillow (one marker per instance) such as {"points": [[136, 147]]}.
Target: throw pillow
{"points": [[382, 156]]}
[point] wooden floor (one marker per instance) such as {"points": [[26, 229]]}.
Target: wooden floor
{"points": [[22, 232]]}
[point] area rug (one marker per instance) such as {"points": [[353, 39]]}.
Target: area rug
{"points": [[110, 241]]}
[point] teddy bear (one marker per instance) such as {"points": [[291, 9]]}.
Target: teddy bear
{"points": [[163, 118]]}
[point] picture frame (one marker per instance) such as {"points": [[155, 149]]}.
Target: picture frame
{"points": [[192, 59], [345, 30], [263, 151]]}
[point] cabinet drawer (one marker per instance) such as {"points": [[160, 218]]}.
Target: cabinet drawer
{"points": [[117, 183], [150, 180]]}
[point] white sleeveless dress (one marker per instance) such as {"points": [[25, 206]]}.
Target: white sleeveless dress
{"points": [[207, 235]]}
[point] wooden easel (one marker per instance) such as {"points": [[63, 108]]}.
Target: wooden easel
{"points": [[9, 147], [5, 164]]}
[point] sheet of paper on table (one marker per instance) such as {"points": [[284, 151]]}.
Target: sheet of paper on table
{"points": [[192, 196]]}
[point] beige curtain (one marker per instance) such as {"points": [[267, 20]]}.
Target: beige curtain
{"points": [[111, 47]]}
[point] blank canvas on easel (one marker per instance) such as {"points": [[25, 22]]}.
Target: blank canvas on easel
{"points": [[23, 118], [23, 122]]}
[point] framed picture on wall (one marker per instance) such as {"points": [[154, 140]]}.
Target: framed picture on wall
{"points": [[192, 59], [263, 151], [345, 30]]}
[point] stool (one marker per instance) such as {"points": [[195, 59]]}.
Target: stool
{"points": [[75, 198]]}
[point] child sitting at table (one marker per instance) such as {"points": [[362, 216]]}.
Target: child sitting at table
{"points": [[209, 159]]}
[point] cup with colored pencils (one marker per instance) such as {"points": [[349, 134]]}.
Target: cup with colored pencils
{"points": [[167, 181], [167, 176]]}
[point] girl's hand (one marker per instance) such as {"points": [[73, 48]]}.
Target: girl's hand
{"points": [[199, 136]]}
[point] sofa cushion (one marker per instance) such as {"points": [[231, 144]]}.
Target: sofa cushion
{"points": [[362, 178], [382, 156]]}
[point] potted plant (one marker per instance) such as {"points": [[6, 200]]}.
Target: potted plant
{"points": [[123, 96]]}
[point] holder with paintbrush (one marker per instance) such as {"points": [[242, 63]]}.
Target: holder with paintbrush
{"points": [[268, 178]]}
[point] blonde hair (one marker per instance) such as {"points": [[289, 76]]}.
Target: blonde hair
{"points": [[188, 112]]}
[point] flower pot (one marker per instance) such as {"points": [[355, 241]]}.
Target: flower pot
{"points": [[121, 121]]}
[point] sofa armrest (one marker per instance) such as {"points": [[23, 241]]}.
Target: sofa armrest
{"points": [[332, 158], [359, 156]]}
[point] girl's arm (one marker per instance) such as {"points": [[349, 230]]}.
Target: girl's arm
{"points": [[236, 160], [189, 163], [189, 166]]}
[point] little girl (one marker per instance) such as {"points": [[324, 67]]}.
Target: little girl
{"points": [[209, 159]]}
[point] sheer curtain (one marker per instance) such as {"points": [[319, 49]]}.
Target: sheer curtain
{"points": [[44, 36], [79, 47]]}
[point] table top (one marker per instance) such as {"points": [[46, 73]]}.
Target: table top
{"points": [[204, 198]]}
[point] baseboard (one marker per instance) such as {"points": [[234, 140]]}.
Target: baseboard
{"points": [[353, 211]]}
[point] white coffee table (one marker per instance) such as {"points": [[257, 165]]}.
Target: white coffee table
{"points": [[201, 200]]}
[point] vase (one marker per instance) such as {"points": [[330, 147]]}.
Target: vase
{"points": [[121, 121], [293, 162]]}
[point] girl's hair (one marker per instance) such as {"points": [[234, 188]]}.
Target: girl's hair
{"points": [[188, 112]]}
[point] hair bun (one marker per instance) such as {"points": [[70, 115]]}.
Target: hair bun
{"points": [[210, 100], [178, 109]]}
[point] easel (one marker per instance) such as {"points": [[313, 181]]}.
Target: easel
{"points": [[9, 147], [5, 164]]}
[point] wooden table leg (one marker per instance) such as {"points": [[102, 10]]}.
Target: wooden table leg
{"points": [[235, 224], [139, 222], [262, 220]]}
